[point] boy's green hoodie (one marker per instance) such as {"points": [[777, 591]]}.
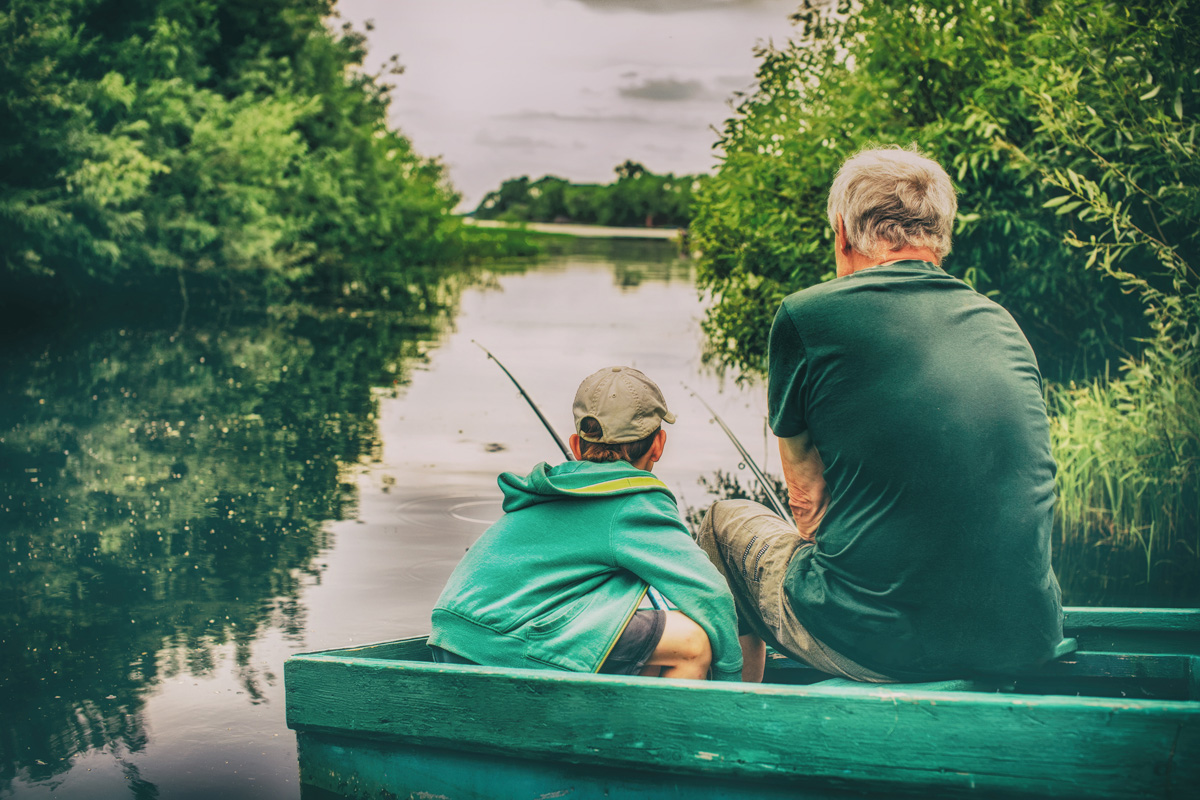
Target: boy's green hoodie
{"points": [[553, 583]]}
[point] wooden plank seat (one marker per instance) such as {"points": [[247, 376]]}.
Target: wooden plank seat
{"points": [[987, 684]]}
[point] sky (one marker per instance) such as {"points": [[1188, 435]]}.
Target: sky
{"points": [[503, 88]]}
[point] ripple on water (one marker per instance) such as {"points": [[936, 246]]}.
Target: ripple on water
{"points": [[438, 511]]}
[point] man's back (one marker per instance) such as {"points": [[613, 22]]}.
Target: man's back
{"points": [[924, 401]]}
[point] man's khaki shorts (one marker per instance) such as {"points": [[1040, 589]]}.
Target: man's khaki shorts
{"points": [[752, 547]]}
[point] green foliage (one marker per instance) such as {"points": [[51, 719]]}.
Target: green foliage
{"points": [[636, 198], [1119, 153], [206, 138], [1120, 157], [492, 244], [960, 79]]}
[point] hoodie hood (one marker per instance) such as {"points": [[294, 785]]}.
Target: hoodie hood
{"points": [[575, 479]]}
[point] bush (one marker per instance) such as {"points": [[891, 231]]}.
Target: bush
{"points": [[637, 198], [967, 82], [220, 140]]}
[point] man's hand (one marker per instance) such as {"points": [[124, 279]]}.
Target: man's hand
{"points": [[804, 471]]}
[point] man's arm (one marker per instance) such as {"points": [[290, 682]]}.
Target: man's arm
{"points": [[803, 471]]}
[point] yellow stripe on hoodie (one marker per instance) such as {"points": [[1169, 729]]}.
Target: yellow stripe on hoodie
{"points": [[619, 485]]}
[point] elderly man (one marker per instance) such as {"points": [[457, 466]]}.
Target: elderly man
{"points": [[916, 450]]}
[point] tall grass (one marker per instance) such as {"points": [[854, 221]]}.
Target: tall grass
{"points": [[1128, 453]]}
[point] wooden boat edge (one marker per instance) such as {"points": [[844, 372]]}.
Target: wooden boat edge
{"points": [[1066, 746]]}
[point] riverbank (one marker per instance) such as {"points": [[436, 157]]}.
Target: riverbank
{"points": [[580, 231]]}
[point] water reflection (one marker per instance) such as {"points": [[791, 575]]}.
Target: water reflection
{"points": [[162, 495], [632, 261]]}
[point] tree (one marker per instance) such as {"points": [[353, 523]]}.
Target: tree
{"points": [[956, 78], [637, 198], [209, 139]]}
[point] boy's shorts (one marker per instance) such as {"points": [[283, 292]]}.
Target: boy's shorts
{"points": [[636, 643], [633, 649], [444, 656]]}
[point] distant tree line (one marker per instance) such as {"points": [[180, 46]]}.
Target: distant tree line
{"points": [[637, 198], [212, 141]]}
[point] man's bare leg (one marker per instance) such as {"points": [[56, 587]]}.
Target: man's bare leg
{"points": [[754, 657], [683, 651]]}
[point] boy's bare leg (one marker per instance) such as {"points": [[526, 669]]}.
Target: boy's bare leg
{"points": [[683, 651], [754, 657]]}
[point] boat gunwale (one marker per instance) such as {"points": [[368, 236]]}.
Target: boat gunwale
{"points": [[1086, 621], [843, 737], [1081, 619], [1085, 618], [859, 691]]}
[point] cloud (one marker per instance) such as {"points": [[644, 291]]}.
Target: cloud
{"points": [[668, 6], [665, 89], [517, 142], [555, 116]]}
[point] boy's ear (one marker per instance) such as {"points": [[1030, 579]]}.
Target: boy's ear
{"points": [[576, 449], [660, 444]]}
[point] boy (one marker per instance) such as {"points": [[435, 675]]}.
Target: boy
{"points": [[556, 582]]}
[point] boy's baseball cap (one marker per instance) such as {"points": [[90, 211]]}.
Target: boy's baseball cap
{"points": [[628, 405]]}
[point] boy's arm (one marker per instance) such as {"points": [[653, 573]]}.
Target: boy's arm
{"points": [[652, 543]]}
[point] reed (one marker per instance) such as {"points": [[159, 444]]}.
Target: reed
{"points": [[1128, 453]]}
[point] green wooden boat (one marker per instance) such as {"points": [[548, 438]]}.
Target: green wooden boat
{"points": [[1117, 714]]}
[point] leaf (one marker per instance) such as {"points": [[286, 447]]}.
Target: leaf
{"points": [[1068, 208], [1150, 95], [1056, 201], [1179, 104]]}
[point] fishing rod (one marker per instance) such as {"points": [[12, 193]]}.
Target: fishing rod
{"points": [[773, 498], [549, 428], [656, 598]]}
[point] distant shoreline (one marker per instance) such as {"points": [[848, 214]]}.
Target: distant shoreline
{"points": [[582, 231]]}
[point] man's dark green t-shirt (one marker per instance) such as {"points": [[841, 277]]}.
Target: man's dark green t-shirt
{"points": [[925, 402]]}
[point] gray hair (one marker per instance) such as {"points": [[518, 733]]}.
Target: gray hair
{"points": [[893, 198]]}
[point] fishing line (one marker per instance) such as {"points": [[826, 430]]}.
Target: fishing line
{"points": [[747, 460], [549, 428], [656, 598]]}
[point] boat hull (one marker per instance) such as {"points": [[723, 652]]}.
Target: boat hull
{"points": [[385, 720]]}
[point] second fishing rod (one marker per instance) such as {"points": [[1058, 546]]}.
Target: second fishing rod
{"points": [[766, 485], [768, 490]]}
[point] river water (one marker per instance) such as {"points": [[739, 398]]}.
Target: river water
{"points": [[185, 505], [186, 502]]}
